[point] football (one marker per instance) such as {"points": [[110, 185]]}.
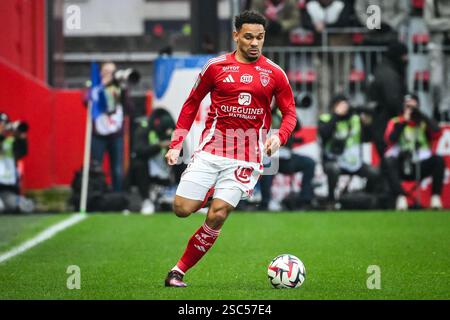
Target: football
{"points": [[286, 271]]}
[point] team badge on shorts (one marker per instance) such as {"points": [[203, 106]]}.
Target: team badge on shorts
{"points": [[243, 174]]}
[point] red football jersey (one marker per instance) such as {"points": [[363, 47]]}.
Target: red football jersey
{"points": [[240, 113]]}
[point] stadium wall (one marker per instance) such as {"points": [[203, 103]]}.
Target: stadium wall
{"points": [[22, 37], [57, 124]]}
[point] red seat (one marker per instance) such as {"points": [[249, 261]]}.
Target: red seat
{"points": [[357, 37], [301, 4], [418, 4], [299, 76], [357, 76], [306, 38], [422, 75], [421, 38]]}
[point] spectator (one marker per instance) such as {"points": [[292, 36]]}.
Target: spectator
{"points": [[290, 163], [322, 15], [13, 147], [393, 15], [388, 89], [409, 155], [325, 14], [108, 127], [342, 133], [282, 17], [150, 144], [437, 19]]}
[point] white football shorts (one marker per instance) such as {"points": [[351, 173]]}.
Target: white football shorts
{"points": [[233, 180]]}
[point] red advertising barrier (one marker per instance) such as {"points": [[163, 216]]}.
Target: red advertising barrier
{"points": [[22, 36], [69, 123], [57, 124]]}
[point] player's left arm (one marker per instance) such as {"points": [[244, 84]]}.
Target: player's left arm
{"points": [[285, 102]]}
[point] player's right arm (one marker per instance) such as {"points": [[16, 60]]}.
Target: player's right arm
{"points": [[203, 85]]}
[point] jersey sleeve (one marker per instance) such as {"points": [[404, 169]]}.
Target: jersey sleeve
{"points": [[202, 87], [285, 102]]}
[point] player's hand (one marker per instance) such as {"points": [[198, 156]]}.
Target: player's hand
{"points": [[272, 144], [172, 156]]}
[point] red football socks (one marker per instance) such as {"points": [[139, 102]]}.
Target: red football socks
{"points": [[198, 245]]}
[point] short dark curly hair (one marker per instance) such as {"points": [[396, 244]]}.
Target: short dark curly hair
{"points": [[251, 17]]}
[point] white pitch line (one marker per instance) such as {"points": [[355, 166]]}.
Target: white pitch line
{"points": [[43, 236]]}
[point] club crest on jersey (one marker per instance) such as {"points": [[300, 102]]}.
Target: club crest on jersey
{"points": [[246, 78], [243, 174], [265, 79], [245, 99]]}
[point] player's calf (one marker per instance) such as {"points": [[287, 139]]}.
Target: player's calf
{"points": [[218, 213]]}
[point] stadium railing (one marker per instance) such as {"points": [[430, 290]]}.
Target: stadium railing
{"points": [[323, 71]]}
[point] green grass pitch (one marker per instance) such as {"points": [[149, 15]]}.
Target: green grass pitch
{"points": [[127, 257]]}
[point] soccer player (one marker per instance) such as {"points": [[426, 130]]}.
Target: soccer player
{"points": [[228, 161]]}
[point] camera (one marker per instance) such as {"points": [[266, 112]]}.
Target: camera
{"points": [[12, 128], [416, 115], [406, 163], [303, 101], [127, 76], [17, 127], [337, 146]]}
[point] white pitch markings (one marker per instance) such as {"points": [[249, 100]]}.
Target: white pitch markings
{"points": [[43, 236]]}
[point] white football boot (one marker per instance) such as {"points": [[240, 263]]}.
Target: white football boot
{"points": [[436, 202], [148, 207], [274, 206], [401, 203]]}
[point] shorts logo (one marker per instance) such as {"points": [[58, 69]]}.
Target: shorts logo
{"points": [[265, 79], [247, 78], [243, 174], [245, 99]]}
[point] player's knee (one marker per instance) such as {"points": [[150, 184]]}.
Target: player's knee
{"points": [[180, 209]]}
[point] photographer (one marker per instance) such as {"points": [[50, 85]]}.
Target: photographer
{"points": [[342, 134], [290, 163], [108, 121], [13, 147], [150, 144], [409, 156]]}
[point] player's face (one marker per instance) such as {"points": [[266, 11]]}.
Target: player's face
{"points": [[250, 40]]}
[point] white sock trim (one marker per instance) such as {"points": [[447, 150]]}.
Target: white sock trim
{"points": [[177, 269], [210, 231]]}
